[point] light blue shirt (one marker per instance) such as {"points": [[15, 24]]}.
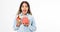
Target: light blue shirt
{"points": [[22, 28]]}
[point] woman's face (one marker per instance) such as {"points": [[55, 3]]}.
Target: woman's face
{"points": [[24, 8]]}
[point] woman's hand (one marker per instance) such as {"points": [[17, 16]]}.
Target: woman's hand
{"points": [[26, 24], [18, 21]]}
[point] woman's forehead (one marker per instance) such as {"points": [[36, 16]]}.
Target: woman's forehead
{"points": [[24, 4]]}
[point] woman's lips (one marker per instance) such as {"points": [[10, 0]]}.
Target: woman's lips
{"points": [[24, 10]]}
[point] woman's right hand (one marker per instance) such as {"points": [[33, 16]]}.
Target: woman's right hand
{"points": [[18, 21]]}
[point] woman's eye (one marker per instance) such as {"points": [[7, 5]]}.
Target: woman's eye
{"points": [[26, 6], [22, 6]]}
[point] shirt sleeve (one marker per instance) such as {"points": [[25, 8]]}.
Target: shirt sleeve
{"points": [[32, 27], [14, 25]]}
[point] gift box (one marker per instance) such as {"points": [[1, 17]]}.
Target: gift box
{"points": [[25, 20]]}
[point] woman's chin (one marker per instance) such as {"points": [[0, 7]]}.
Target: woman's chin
{"points": [[24, 13]]}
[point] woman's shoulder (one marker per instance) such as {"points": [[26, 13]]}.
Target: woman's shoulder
{"points": [[30, 16]]}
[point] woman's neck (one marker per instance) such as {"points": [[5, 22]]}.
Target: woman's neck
{"points": [[25, 14]]}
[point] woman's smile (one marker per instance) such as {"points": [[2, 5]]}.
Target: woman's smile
{"points": [[24, 10]]}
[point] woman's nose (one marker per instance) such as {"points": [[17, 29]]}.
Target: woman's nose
{"points": [[24, 7]]}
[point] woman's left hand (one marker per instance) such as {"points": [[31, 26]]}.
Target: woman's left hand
{"points": [[26, 24]]}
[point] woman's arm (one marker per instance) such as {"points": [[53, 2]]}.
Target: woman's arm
{"points": [[32, 27], [14, 25]]}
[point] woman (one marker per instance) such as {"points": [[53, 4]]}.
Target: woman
{"points": [[24, 11]]}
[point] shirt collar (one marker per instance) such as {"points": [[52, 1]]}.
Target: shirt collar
{"points": [[22, 14]]}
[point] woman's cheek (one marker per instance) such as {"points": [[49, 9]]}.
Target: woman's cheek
{"points": [[26, 9]]}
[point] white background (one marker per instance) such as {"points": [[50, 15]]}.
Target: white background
{"points": [[45, 12]]}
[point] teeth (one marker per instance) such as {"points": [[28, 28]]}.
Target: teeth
{"points": [[24, 10]]}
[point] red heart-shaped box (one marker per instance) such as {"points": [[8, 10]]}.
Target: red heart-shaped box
{"points": [[25, 20]]}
